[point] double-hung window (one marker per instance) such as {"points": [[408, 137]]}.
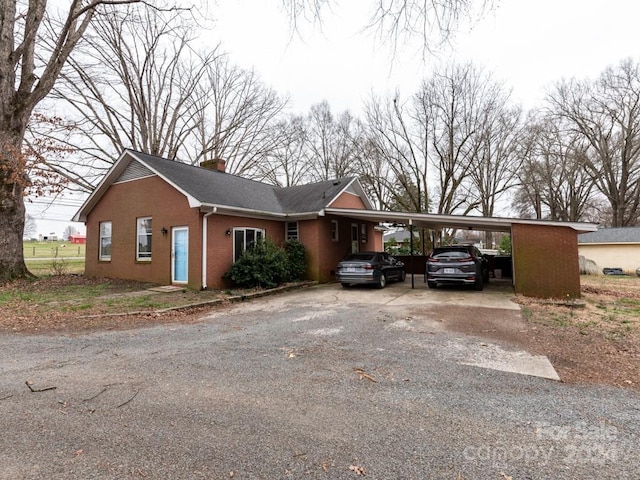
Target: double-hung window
{"points": [[105, 242], [143, 244], [334, 230], [245, 238], [292, 231]]}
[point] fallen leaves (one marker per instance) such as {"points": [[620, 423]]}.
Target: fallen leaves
{"points": [[358, 470], [364, 374]]}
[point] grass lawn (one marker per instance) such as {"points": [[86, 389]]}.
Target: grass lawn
{"points": [[54, 258]]}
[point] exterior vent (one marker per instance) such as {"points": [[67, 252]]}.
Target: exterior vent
{"points": [[134, 171]]}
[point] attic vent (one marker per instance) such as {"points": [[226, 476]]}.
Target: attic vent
{"points": [[134, 171], [352, 189]]}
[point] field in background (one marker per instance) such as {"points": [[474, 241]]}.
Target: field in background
{"points": [[52, 258]]}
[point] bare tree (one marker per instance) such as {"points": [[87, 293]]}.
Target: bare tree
{"points": [[68, 231], [131, 84], [288, 162], [330, 143], [395, 22], [30, 66], [399, 155], [606, 114], [30, 227], [495, 164], [451, 102], [553, 181], [236, 118]]}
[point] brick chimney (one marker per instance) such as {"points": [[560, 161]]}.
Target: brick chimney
{"points": [[215, 164]]}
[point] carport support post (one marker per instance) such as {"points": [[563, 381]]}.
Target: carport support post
{"points": [[411, 248]]}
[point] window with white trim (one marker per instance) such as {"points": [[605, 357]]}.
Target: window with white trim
{"points": [[291, 232], [105, 242], [334, 230], [244, 238], [363, 232], [143, 244]]}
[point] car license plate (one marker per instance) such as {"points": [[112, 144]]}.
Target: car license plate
{"points": [[350, 270], [449, 270]]}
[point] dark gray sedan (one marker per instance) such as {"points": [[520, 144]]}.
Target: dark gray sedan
{"points": [[375, 268]]}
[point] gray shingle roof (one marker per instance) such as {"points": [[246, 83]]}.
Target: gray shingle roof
{"points": [[219, 188], [612, 235]]}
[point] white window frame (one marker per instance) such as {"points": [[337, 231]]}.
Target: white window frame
{"points": [[291, 233], [363, 233], [102, 256], [259, 234], [334, 231], [144, 256]]}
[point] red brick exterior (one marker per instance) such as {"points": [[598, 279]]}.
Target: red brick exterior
{"points": [[545, 261], [348, 200], [220, 245], [152, 197], [122, 204]]}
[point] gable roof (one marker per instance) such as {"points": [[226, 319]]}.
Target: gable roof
{"points": [[212, 189], [612, 235]]}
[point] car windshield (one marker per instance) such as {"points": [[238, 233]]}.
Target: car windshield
{"points": [[363, 257], [451, 254]]}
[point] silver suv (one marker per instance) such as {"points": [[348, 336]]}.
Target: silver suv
{"points": [[461, 264]]}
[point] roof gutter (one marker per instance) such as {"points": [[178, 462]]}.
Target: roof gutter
{"points": [[248, 212]]}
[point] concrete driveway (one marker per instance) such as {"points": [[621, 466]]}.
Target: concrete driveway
{"points": [[317, 383]]}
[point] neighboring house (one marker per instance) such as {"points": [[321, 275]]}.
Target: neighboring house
{"points": [[402, 239], [612, 248], [157, 220]]}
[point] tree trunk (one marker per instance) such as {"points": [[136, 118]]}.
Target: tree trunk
{"points": [[12, 210]]}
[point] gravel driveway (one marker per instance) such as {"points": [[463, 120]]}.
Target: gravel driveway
{"points": [[294, 387]]}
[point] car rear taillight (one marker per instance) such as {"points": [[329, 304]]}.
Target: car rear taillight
{"points": [[368, 266], [431, 259]]}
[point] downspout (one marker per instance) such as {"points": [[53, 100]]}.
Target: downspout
{"points": [[204, 247]]}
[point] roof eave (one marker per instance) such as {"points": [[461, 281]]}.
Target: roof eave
{"points": [[436, 221], [252, 213]]}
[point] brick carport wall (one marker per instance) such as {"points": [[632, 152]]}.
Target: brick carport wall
{"points": [[545, 261]]}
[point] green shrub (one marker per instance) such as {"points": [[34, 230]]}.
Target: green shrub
{"points": [[268, 265], [296, 260]]}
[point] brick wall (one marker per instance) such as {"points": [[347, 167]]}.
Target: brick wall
{"points": [[220, 245], [545, 261], [348, 200], [122, 204]]}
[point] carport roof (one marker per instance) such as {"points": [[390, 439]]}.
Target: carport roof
{"points": [[437, 222]]}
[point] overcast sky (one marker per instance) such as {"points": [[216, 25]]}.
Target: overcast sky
{"points": [[527, 44]]}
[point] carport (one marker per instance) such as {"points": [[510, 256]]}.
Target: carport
{"points": [[544, 253]]}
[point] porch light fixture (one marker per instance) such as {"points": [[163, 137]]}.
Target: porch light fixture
{"points": [[228, 232], [164, 231]]}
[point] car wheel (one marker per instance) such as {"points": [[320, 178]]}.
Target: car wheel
{"points": [[402, 276], [432, 284], [345, 285], [382, 281]]}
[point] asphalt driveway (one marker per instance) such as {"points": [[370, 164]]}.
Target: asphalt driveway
{"points": [[317, 383]]}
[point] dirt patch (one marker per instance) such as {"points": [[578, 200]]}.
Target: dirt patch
{"points": [[597, 342]]}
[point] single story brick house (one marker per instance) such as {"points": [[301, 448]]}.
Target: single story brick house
{"points": [[157, 220]]}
